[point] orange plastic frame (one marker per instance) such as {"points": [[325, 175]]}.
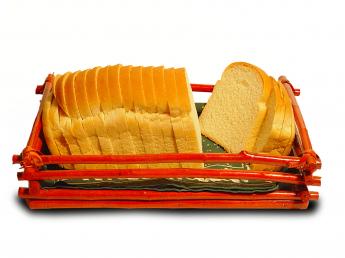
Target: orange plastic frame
{"points": [[297, 197]]}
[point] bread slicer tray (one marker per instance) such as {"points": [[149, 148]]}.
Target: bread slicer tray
{"points": [[294, 180]]}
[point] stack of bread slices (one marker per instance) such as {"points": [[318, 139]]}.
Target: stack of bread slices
{"points": [[116, 110], [249, 110]]}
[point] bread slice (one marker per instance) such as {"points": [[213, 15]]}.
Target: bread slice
{"points": [[59, 93], [163, 113], [287, 132], [106, 133], [81, 94], [55, 140], [115, 120], [91, 118], [70, 96], [47, 125], [114, 86], [139, 102], [269, 135], [55, 144], [151, 116], [143, 111], [99, 104], [132, 124], [103, 89], [65, 125], [60, 139], [270, 132], [175, 111], [263, 103], [77, 129], [282, 144], [65, 122], [193, 143], [139, 107], [291, 121], [72, 88], [284, 129], [82, 89], [237, 107], [84, 141], [82, 126], [92, 91]]}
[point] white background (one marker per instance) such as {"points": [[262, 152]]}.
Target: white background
{"points": [[304, 40]]}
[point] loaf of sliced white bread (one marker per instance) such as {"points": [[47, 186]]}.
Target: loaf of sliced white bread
{"points": [[121, 110], [248, 110]]}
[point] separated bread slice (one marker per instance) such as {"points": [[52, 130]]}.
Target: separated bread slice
{"points": [[270, 130], [163, 114], [263, 103], [283, 130], [291, 119], [287, 132], [132, 124], [193, 143], [237, 107], [282, 145], [284, 149]]}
